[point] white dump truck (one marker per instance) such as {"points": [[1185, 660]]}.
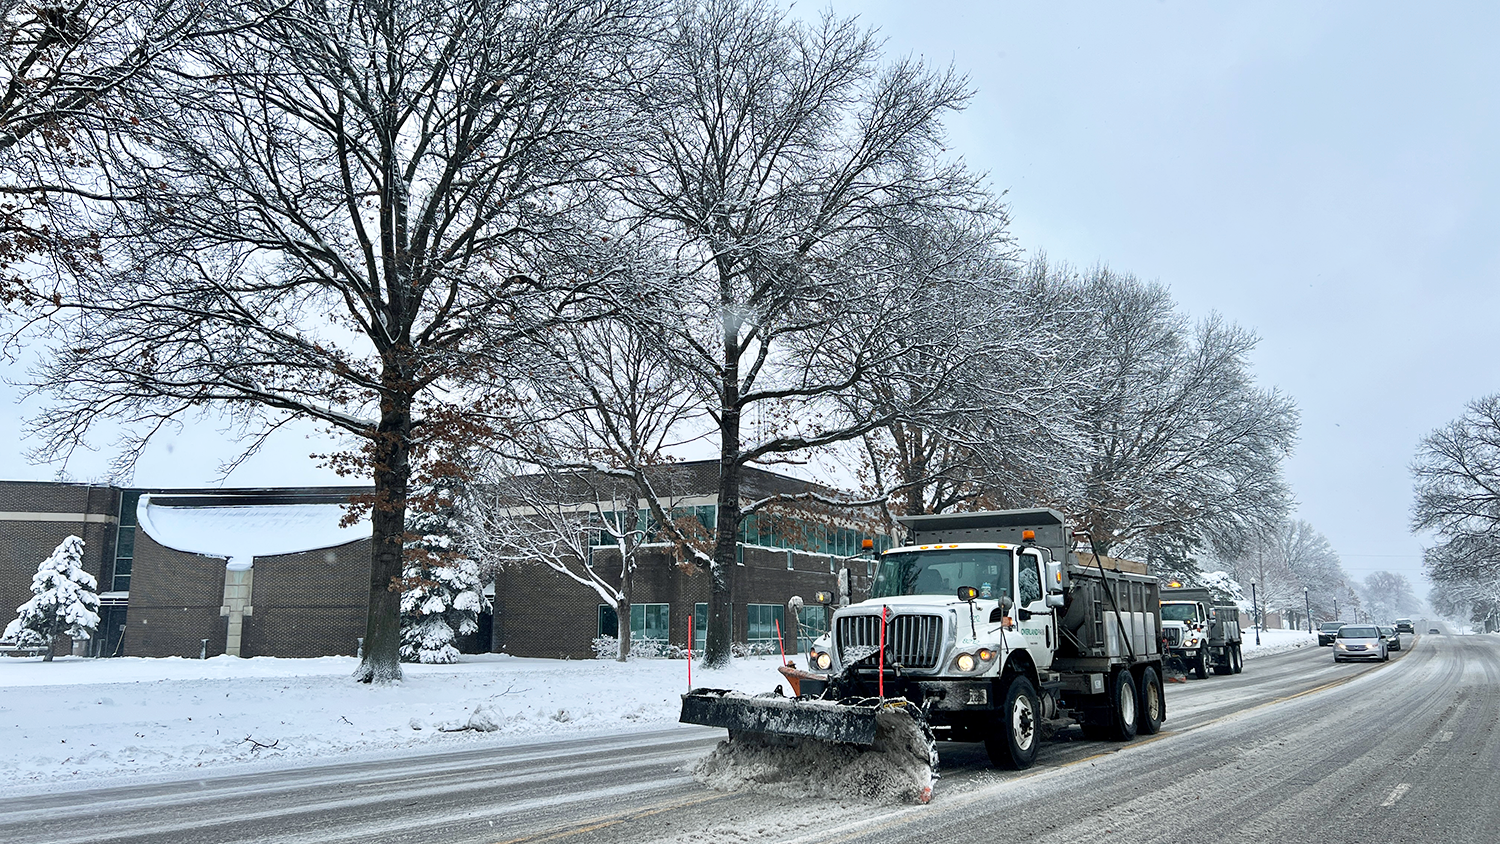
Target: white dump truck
{"points": [[1200, 634], [985, 627]]}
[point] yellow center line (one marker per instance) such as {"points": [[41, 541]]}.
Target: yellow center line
{"points": [[601, 821]]}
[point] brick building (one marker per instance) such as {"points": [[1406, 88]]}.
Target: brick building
{"points": [[539, 612], [269, 572]]}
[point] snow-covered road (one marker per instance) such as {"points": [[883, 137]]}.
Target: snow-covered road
{"points": [[1236, 750]]}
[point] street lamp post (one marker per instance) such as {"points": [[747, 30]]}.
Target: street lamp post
{"points": [[1308, 602], [1255, 612]]}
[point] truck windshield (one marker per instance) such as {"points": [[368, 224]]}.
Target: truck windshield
{"points": [[1179, 612], [942, 571]]}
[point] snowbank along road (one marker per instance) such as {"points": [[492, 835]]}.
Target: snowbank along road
{"points": [[1296, 748]]}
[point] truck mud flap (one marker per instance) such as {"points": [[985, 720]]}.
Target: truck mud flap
{"points": [[781, 716]]}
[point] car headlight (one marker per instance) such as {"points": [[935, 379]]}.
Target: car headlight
{"points": [[822, 661]]}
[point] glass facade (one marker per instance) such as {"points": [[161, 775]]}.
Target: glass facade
{"points": [[125, 541]]}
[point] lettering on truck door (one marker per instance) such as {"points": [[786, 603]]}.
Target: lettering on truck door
{"points": [[1034, 618]]}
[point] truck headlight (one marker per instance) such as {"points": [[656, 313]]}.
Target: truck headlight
{"points": [[986, 655], [822, 660], [965, 662]]}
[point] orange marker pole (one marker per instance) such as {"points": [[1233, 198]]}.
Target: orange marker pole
{"points": [[690, 653]]}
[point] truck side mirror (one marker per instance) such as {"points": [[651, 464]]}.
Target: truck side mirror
{"points": [[1054, 584], [824, 598], [967, 594], [1056, 599]]}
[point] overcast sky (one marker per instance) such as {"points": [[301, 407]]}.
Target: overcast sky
{"points": [[1325, 174]]}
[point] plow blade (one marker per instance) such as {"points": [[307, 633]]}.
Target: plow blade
{"points": [[779, 716]]}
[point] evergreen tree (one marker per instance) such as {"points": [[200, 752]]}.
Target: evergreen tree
{"points": [[65, 598], [442, 594]]}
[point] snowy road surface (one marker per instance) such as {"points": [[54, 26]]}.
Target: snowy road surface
{"points": [[1295, 749]]}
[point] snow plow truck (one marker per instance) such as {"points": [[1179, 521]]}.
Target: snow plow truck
{"points": [[983, 626], [1200, 633]]}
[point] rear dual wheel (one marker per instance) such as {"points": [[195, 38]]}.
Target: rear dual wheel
{"points": [[1123, 709], [1239, 659], [1153, 705]]}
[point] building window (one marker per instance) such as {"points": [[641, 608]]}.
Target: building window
{"points": [[650, 621], [647, 621], [761, 621]]}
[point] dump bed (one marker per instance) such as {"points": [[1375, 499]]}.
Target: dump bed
{"points": [[1109, 615]]}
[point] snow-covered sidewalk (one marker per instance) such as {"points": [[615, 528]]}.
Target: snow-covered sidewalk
{"points": [[1276, 641], [82, 719]]}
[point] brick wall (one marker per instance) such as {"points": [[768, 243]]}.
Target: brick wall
{"points": [[174, 602], [310, 604], [29, 534]]}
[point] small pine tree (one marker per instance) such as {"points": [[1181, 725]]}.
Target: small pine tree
{"points": [[65, 598], [442, 594]]}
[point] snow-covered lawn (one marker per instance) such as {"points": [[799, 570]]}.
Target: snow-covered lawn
{"points": [[82, 719]]}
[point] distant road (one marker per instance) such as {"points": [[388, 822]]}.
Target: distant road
{"points": [[1294, 749]]}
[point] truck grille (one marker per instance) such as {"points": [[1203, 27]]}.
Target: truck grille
{"points": [[911, 641], [1174, 636]]}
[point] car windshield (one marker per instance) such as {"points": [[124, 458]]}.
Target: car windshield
{"points": [[1332, 626], [1179, 612], [1347, 632], [941, 572]]}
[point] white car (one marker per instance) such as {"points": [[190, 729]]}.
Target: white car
{"points": [[1360, 641]]}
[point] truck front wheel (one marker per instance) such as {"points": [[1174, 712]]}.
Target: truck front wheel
{"points": [[1014, 736], [1200, 668], [1122, 701]]}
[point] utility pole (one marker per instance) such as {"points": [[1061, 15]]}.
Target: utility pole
{"points": [[1308, 603], [1254, 612]]}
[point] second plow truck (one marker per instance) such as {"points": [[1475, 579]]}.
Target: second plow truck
{"points": [[1200, 634], [982, 627]]}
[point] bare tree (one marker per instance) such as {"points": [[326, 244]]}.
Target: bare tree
{"points": [[559, 520], [605, 412], [351, 212], [1457, 479], [778, 150], [987, 419], [1183, 450], [61, 65], [1288, 557], [1387, 595]]}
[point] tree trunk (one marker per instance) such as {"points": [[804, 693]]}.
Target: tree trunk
{"points": [[718, 636], [622, 607], [392, 452], [51, 641]]}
